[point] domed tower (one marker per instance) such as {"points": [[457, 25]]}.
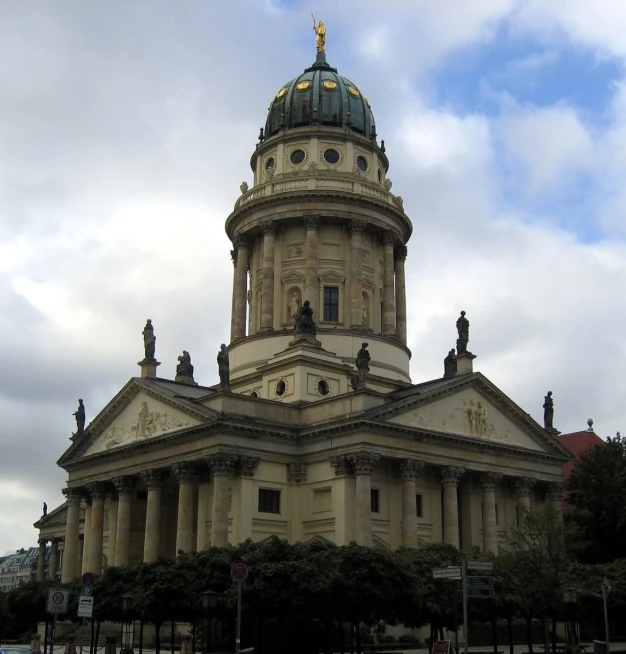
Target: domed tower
{"points": [[319, 225]]}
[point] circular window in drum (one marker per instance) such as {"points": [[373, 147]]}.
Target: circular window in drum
{"points": [[322, 387], [281, 387], [297, 157], [361, 162], [331, 156], [269, 163]]}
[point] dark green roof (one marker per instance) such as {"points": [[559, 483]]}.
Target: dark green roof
{"points": [[320, 96]]}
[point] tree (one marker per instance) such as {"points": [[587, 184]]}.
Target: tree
{"points": [[597, 487]]}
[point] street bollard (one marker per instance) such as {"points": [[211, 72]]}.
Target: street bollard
{"points": [[185, 647], [110, 646], [35, 643], [70, 646]]}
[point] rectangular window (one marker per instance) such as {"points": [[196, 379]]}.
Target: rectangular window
{"points": [[269, 501], [331, 303], [375, 500], [418, 506]]}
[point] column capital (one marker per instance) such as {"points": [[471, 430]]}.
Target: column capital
{"points": [[154, 478], [524, 486], [247, 465], [297, 472], [73, 495], [269, 228], [340, 465], [240, 241], [489, 480], [311, 222], [233, 257], [185, 471], [400, 253], [43, 541], [357, 226], [555, 492], [389, 238], [124, 484], [410, 469], [97, 490], [363, 462], [221, 463], [450, 476]]}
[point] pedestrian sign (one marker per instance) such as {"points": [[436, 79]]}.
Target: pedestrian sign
{"points": [[57, 600]]}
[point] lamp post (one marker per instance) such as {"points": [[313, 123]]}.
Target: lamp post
{"points": [[570, 597], [127, 607], [209, 603], [606, 589]]}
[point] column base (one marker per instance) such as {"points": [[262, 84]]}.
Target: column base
{"points": [[148, 367]]}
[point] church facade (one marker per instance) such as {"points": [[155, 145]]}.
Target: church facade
{"points": [[315, 429]]}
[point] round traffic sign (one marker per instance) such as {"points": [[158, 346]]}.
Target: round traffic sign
{"points": [[239, 572], [58, 598], [88, 579]]}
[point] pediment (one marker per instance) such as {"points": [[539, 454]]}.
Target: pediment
{"points": [[143, 418], [331, 276]]}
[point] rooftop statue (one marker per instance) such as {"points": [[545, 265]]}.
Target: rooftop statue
{"points": [[79, 414], [449, 365], [462, 326], [149, 340], [223, 365], [548, 411], [184, 367], [303, 324], [362, 363], [320, 35]]}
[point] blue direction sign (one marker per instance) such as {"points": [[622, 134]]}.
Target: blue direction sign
{"points": [[479, 592], [239, 572], [486, 582]]}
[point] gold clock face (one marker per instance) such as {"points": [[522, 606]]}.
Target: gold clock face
{"points": [[303, 86], [353, 92], [329, 84], [281, 94]]}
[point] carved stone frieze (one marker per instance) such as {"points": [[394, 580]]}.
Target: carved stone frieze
{"points": [[489, 480], [154, 478], [341, 465], [297, 472], [524, 486], [186, 472], [363, 462], [247, 465], [221, 463], [410, 469], [124, 485], [450, 476]]}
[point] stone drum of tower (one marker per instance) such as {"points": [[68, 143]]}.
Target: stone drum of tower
{"points": [[319, 224]]}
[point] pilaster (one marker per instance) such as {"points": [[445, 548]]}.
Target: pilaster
{"points": [[400, 258], [389, 305]]}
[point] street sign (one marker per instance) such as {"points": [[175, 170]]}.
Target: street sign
{"points": [[87, 591], [486, 582], [85, 607], [480, 565], [57, 600], [479, 592], [441, 647], [88, 579], [239, 572], [447, 573]]}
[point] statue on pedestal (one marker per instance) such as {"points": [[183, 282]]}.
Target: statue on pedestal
{"points": [[223, 365], [304, 327], [184, 367], [449, 365], [294, 305], [362, 363], [45, 509], [548, 411], [149, 340], [462, 326], [320, 35], [79, 414]]}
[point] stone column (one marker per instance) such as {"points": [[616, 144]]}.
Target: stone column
{"points": [[523, 489], [343, 499], [450, 479], [53, 562], [241, 287], [221, 465], [187, 475], [409, 469], [154, 480], [246, 466], [555, 497], [84, 566], [267, 308], [311, 224], [400, 256], [363, 463], [233, 256], [488, 483], [97, 491], [79, 554], [389, 304], [124, 487], [111, 506], [41, 559], [204, 485], [356, 281]]}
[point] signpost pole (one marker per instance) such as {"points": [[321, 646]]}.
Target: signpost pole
{"points": [[238, 641], [82, 636], [465, 612], [54, 626]]}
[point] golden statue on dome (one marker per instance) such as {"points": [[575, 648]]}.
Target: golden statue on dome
{"points": [[320, 34]]}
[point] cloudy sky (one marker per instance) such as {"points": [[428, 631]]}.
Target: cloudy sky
{"points": [[127, 127]]}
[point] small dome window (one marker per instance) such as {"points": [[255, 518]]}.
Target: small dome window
{"points": [[322, 387], [280, 388], [331, 156], [361, 162], [269, 163], [297, 157]]}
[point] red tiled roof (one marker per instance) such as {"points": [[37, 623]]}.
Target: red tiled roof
{"points": [[578, 443]]}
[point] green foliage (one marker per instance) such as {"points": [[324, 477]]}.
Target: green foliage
{"points": [[597, 487]]}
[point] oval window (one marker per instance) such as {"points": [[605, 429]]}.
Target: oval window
{"points": [[361, 162], [329, 84], [322, 387], [303, 86], [353, 92], [280, 388], [297, 157], [281, 94], [331, 156]]}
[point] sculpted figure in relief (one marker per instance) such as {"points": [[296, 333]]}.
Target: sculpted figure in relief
{"points": [[294, 304]]}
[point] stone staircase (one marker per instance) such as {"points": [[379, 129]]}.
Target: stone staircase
{"points": [[481, 635], [83, 633]]}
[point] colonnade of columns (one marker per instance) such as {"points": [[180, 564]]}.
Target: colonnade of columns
{"points": [[393, 292], [53, 559]]}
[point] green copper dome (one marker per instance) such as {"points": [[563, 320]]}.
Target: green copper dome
{"points": [[319, 96]]}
